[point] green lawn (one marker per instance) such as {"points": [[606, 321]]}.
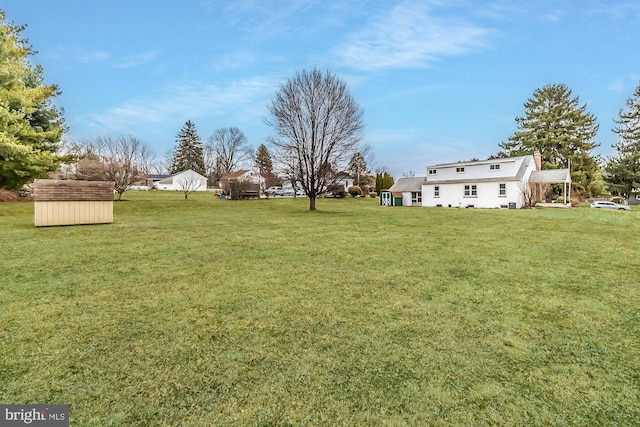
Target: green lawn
{"points": [[216, 312]]}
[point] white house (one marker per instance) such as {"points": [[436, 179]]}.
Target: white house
{"points": [[185, 180], [411, 189], [497, 183]]}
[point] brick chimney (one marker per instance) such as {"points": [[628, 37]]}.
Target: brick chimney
{"points": [[537, 157]]}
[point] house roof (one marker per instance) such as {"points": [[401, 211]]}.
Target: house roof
{"points": [[157, 177], [235, 174], [408, 184], [518, 176], [168, 179], [479, 162], [551, 176]]}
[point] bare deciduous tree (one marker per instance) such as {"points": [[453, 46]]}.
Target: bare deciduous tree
{"points": [[226, 150], [533, 192], [319, 124], [123, 160], [188, 184]]}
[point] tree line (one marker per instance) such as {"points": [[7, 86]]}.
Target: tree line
{"points": [[318, 136]]}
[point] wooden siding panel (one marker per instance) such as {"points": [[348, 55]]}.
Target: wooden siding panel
{"points": [[73, 213]]}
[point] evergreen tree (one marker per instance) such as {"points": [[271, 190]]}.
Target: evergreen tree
{"points": [[562, 131], [188, 152], [387, 181], [264, 164], [623, 171], [378, 182], [358, 167], [30, 126]]}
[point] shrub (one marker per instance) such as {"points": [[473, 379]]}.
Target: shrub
{"points": [[355, 190]]}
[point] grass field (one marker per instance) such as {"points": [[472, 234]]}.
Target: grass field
{"points": [[214, 312]]}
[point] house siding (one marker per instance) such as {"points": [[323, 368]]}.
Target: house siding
{"points": [[173, 183], [451, 182]]}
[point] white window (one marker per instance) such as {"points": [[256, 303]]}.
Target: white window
{"points": [[436, 191], [459, 170], [503, 189], [470, 190], [494, 167], [432, 171], [416, 197]]}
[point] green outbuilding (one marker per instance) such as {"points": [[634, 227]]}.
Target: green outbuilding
{"points": [[390, 198]]}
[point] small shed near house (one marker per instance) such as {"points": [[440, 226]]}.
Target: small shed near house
{"points": [[66, 202], [411, 189], [390, 198]]}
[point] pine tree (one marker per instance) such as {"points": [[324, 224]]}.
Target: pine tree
{"points": [[188, 152], [623, 171], [30, 126], [358, 167], [562, 131], [264, 164]]}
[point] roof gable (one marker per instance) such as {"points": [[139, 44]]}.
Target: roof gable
{"points": [[408, 184]]}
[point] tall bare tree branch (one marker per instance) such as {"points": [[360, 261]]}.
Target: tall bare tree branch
{"points": [[318, 125]]}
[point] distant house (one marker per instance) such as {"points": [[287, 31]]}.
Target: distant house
{"points": [[634, 197], [242, 184], [411, 189], [496, 183], [153, 179], [180, 181], [243, 175]]}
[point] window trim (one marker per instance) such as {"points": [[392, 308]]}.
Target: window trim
{"points": [[470, 190]]}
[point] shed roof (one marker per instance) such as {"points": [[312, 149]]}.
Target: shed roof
{"points": [[551, 176], [408, 184]]}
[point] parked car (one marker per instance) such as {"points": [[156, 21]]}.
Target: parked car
{"points": [[274, 191], [609, 205]]}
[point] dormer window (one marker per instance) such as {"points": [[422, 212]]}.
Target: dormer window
{"points": [[460, 170], [494, 167]]}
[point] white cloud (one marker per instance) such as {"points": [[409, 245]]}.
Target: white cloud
{"points": [[94, 57], [618, 10], [411, 35], [136, 60], [185, 100], [625, 84], [106, 58]]}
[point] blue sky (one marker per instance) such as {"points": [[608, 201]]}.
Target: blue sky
{"points": [[439, 81]]}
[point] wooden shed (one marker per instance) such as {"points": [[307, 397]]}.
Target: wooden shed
{"points": [[390, 198], [66, 202]]}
